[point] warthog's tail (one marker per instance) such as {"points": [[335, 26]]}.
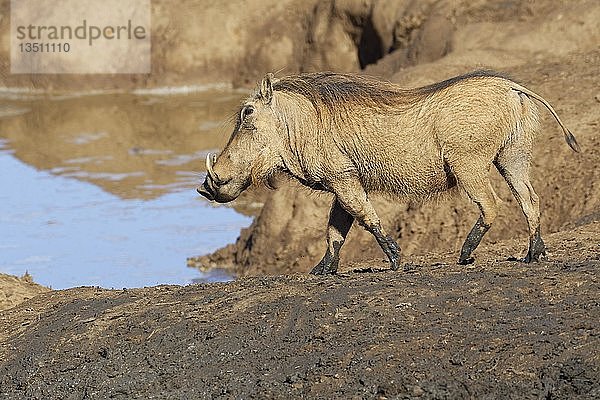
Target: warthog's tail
{"points": [[569, 138]]}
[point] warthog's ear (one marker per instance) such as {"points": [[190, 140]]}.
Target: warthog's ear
{"points": [[266, 88]]}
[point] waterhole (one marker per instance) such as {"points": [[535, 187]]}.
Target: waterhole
{"points": [[99, 189]]}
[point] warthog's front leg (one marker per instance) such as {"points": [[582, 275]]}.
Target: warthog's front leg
{"points": [[340, 222], [352, 198]]}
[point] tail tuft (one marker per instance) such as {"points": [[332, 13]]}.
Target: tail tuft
{"points": [[571, 141], [569, 138]]}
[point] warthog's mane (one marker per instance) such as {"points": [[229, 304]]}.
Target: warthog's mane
{"points": [[438, 86], [331, 91]]}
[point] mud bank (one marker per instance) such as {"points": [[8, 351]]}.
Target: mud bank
{"points": [[550, 48], [15, 290], [498, 329], [203, 42]]}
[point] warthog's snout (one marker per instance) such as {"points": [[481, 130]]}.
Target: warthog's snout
{"points": [[216, 192], [215, 188], [206, 190]]}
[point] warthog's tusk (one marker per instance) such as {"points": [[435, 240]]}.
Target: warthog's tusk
{"points": [[208, 165], [209, 169]]}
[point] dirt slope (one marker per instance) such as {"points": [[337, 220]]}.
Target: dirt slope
{"points": [[553, 51], [15, 290], [499, 329], [207, 41]]}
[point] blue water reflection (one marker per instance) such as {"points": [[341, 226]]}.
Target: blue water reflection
{"points": [[67, 232]]}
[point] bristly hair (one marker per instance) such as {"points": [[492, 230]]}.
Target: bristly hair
{"points": [[482, 73], [331, 90]]}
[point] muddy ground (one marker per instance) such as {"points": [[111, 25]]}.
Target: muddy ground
{"points": [[497, 329]]}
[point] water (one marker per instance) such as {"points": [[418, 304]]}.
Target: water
{"points": [[99, 190]]}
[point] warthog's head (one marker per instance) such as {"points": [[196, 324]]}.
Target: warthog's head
{"points": [[252, 153]]}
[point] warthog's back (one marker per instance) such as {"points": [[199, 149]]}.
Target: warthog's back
{"points": [[409, 141]]}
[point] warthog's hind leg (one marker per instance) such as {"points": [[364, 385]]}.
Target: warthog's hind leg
{"points": [[472, 241], [340, 222], [514, 168], [483, 195]]}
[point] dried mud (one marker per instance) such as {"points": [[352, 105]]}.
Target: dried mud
{"points": [[15, 290]]}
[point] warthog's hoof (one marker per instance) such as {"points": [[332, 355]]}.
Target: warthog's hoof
{"points": [[328, 264], [323, 269], [537, 248], [536, 252], [466, 261], [394, 265], [392, 250], [535, 257]]}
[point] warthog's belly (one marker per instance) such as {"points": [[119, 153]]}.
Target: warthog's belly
{"points": [[405, 169]]}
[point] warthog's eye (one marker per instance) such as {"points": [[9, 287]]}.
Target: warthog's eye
{"points": [[247, 111]]}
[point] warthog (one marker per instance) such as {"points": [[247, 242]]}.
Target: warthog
{"points": [[354, 135]]}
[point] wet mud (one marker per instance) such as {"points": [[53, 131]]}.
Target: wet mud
{"points": [[495, 329]]}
